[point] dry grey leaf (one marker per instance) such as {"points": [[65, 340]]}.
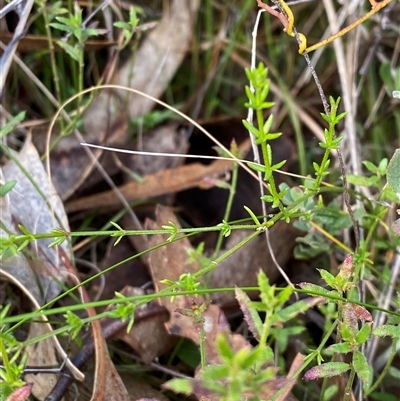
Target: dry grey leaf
{"points": [[39, 277], [39, 209]]}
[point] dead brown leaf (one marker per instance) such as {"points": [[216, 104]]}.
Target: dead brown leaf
{"points": [[148, 336], [39, 209], [294, 368], [171, 261], [38, 273], [152, 67], [107, 382]]}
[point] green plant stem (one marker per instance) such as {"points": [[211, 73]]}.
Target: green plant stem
{"points": [[310, 357], [18, 240], [202, 346], [347, 391], [53, 64], [267, 163], [143, 299], [228, 208]]}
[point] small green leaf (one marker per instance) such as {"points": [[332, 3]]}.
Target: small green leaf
{"points": [[325, 117], [62, 27], [252, 215], [9, 126], [7, 187], [183, 386], [330, 392], [364, 334], [72, 51], [224, 349], [277, 166], [393, 172], [362, 368], [268, 123], [327, 277]]}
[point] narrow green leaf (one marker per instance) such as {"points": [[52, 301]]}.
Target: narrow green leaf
{"points": [[252, 215], [326, 118], [277, 166], [62, 27], [72, 51], [268, 124], [121, 24], [370, 166], [9, 126], [257, 167], [251, 128], [183, 386]]}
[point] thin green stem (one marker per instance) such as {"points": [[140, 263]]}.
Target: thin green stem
{"points": [[202, 346], [53, 64], [228, 207], [349, 385]]}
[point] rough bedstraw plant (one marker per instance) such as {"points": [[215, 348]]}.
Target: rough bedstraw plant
{"points": [[249, 373]]}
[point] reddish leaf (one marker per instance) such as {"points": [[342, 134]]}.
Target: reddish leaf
{"points": [[329, 369], [250, 314], [362, 313], [21, 394]]}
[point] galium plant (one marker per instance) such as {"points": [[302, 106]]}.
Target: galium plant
{"points": [[250, 372]]}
